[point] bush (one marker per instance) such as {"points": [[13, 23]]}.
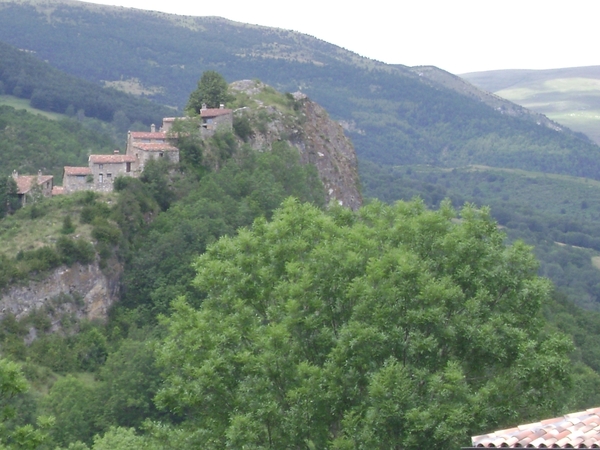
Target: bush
{"points": [[242, 127], [72, 251], [105, 232]]}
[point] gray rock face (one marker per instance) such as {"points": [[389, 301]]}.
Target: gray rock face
{"points": [[80, 290], [319, 139]]}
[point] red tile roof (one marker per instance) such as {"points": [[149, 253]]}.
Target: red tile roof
{"points": [[577, 430], [111, 159], [25, 182], [77, 170], [58, 190], [155, 147], [148, 135], [214, 112]]}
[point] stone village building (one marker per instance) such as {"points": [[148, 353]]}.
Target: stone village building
{"points": [[28, 186], [102, 170], [212, 119]]}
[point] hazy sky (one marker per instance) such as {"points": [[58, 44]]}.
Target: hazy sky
{"points": [[456, 35]]}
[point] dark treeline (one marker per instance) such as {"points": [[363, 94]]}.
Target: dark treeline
{"points": [[48, 89]]}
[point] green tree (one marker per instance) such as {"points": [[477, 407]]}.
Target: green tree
{"points": [[12, 384], [75, 406], [382, 329], [212, 91]]}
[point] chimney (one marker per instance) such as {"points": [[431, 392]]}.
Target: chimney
{"points": [[116, 151], [221, 106], [15, 174], [39, 173], [152, 128], [203, 107]]}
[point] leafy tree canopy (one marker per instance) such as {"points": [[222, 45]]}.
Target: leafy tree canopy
{"points": [[385, 328], [211, 91]]}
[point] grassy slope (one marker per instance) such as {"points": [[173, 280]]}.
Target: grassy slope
{"points": [[22, 232], [20, 103], [569, 96]]}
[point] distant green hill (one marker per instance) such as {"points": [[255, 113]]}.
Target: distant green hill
{"points": [[394, 115], [24, 76], [570, 96]]}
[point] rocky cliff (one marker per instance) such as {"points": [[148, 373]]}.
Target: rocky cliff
{"points": [[80, 290], [306, 126]]}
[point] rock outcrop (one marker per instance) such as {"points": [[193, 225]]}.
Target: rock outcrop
{"points": [[80, 290], [319, 139]]}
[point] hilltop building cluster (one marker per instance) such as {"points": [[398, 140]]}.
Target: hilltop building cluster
{"points": [[101, 171]]}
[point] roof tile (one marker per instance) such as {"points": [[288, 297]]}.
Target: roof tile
{"points": [[111, 159], [576, 430], [148, 135], [69, 170], [155, 147], [25, 182]]}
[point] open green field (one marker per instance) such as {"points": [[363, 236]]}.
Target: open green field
{"points": [[21, 103], [570, 97]]}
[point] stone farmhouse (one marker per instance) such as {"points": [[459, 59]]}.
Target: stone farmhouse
{"points": [[142, 146], [28, 186], [213, 119]]}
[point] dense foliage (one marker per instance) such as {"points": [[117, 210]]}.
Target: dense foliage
{"points": [[381, 330], [559, 215], [211, 92]]}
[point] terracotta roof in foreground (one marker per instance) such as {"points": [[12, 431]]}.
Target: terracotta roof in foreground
{"points": [[69, 170], [154, 147], [577, 430], [25, 182], [58, 190], [111, 159]]}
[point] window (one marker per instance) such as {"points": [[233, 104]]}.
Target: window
{"points": [[108, 176], [128, 167], [161, 154], [100, 166], [100, 178]]}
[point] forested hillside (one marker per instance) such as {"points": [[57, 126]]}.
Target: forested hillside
{"points": [[48, 89]]}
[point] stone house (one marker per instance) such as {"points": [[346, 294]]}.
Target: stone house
{"points": [[105, 168], [144, 146], [31, 186], [212, 119], [77, 179]]}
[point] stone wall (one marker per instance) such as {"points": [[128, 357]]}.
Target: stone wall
{"points": [[74, 183]]}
